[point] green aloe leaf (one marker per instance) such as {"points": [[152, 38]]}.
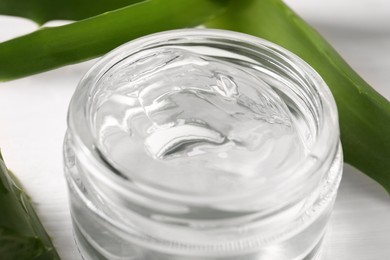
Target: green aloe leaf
{"points": [[49, 48], [42, 11], [16, 246], [22, 235], [364, 114]]}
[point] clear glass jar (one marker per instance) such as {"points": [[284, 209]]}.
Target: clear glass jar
{"points": [[201, 144]]}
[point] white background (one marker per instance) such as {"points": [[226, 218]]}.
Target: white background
{"points": [[33, 123]]}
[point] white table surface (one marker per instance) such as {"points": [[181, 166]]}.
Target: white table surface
{"points": [[33, 123]]}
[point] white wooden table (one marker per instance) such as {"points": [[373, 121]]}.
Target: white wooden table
{"points": [[33, 114]]}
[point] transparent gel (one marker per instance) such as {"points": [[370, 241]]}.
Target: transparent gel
{"points": [[199, 145]]}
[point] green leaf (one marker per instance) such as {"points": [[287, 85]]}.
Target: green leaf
{"points": [[22, 235], [49, 48], [16, 246], [42, 11], [364, 114]]}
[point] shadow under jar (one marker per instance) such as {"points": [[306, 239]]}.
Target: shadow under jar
{"points": [[201, 144]]}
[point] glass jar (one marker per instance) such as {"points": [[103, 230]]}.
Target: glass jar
{"points": [[201, 144]]}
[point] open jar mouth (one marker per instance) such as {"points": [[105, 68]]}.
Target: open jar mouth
{"points": [[307, 101]]}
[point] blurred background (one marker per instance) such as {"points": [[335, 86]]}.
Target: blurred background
{"points": [[33, 123]]}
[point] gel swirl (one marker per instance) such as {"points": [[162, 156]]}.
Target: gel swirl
{"points": [[194, 122]]}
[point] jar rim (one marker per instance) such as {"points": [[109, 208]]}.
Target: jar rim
{"points": [[326, 141]]}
